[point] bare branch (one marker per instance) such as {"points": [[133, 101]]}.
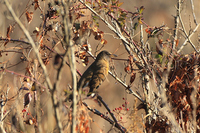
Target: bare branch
{"points": [[176, 20], [95, 111], [71, 56], [14, 40], [188, 39], [192, 5], [112, 115]]}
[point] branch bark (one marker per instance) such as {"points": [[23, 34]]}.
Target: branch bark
{"points": [[72, 61]]}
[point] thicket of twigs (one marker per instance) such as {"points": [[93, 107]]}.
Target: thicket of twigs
{"points": [[40, 69]]}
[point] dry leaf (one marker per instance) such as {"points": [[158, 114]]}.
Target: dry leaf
{"points": [[27, 99], [127, 69], [133, 75], [8, 34], [103, 41], [36, 4], [8, 31], [29, 16]]}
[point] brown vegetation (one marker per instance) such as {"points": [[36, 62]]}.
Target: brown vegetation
{"points": [[153, 83]]}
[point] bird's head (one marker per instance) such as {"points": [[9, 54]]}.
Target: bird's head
{"points": [[105, 55]]}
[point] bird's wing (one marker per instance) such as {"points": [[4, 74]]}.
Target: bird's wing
{"points": [[99, 75], [85, 78]]}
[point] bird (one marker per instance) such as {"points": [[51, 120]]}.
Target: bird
{"points": [[96, 72]]}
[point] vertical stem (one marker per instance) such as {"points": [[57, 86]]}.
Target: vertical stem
{"points": [[176, 21], [194, 16], [141, 35], [72, 62], [1, 121], [73, 71]]}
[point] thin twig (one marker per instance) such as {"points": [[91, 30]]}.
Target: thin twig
{"points": [[176, 20], [141, 36], [188, 38], [192, 5], [14, 40], [112, 115], [95, 111], [21, 75]]}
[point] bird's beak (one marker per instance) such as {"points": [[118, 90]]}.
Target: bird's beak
{"points": [[113, 55]]}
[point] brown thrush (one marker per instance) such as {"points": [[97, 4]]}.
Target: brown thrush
{"points": [[96, 72]]}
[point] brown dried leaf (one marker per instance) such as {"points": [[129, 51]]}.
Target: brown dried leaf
{"points": [[8, 34], [85, 123], [133, 75], [84, 27], [130, 59], [37, 31], [148, 30], [87, 129], [127, 69], [87, 47], [97, 36], [95, 29], [177, 42], [9, 31], [103, 41], [28, 71], [86, 61], [36, 4], [27, 99], [41, 42], [57, 59], [82, 55], [29, 16], [46, 61]]}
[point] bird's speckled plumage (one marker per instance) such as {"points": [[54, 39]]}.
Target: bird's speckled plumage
{"points": [[96, 72]]}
